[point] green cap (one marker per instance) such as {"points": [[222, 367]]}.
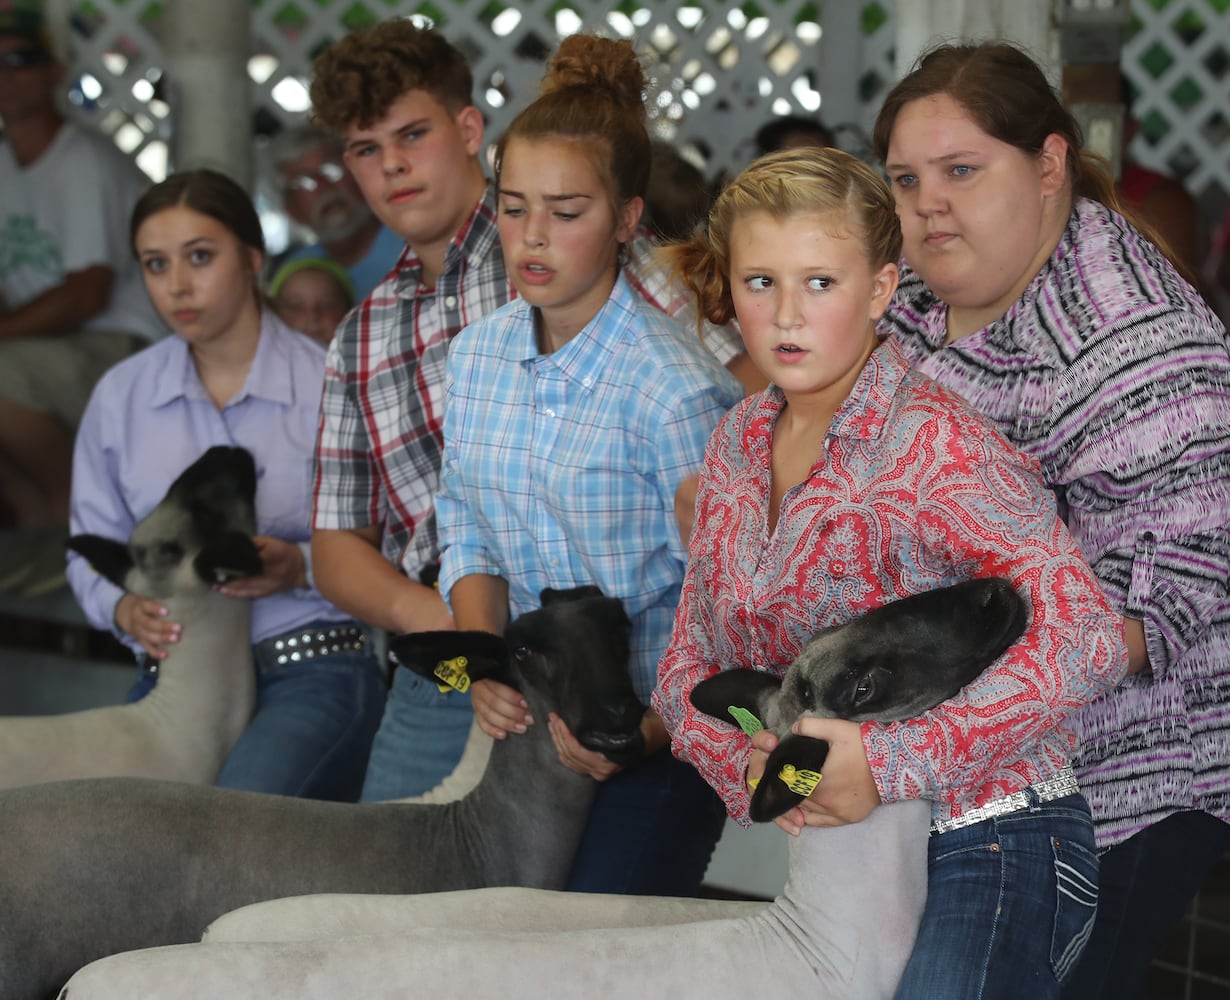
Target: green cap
{"points": [[326, 264]]}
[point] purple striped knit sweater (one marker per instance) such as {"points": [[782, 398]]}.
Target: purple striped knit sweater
{"points": [[1113, 372]]}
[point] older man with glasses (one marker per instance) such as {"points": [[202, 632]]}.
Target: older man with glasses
{"points": [[319, 193]]}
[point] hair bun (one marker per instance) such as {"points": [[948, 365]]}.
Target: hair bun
{"points": [[590, 61]]}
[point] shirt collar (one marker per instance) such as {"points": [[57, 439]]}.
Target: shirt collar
{"points": [[865, 410], [863, 413], [587, 354], [270, 376], [475, 240]]}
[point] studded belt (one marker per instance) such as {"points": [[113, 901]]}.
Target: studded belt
{"points": [[311, 643], [1063, 783]]}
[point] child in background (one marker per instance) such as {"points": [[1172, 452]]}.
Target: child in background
{"points": [[312, 295], [852, 481], [571, 416]]}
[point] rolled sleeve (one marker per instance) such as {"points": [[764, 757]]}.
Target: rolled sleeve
{"points": [[346, 491]]}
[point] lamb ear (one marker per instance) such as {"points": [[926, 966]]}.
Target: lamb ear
{"points": [[108, 557], [228, 557], [746, 691], [790, 774], [438, 656]]}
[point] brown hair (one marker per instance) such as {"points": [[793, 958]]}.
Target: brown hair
{"points": [[791, 182], [1006, 94], [206, 191], [356, 79], [678, 196], [592, 93]]}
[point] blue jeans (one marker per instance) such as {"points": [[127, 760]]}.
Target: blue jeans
{"points": [[420, 738], [1010, 905], [313, 726], [1146, 884], [651, 831]]}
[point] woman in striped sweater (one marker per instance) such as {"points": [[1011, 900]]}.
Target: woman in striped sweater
{"points": [[1026, 290]]}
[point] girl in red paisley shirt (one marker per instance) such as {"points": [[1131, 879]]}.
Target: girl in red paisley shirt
{"points": [[852, 481]]}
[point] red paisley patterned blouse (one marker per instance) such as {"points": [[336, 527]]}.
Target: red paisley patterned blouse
{"points": [[915, 491]]}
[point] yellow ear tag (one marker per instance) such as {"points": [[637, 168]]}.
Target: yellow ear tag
{"points": [[453, 675], [799, 780]]}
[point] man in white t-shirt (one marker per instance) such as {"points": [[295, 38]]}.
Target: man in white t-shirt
{"points": [[71, 298]]}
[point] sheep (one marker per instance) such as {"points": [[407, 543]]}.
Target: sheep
{"points": [[99, 866], [843, 926], [199, 534], [888, 665], [834, 932]]}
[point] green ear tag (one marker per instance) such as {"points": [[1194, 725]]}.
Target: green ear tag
{"points": [[746, 720], [453, 674]]}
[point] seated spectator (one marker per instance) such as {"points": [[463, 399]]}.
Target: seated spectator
{"points": [[232, 374], [312, 295], [319, 192], [71, 302], [790, 132]]}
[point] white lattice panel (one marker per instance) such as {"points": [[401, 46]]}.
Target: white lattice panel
{"points": [[1178, 60], [718, 71], [116, 68]]}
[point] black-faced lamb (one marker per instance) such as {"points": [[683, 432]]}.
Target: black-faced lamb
{"points": [[842, 928], [96, 867], [198, 535]]}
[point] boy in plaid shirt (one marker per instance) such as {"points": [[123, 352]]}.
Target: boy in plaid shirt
{"points": [[400, 98]]}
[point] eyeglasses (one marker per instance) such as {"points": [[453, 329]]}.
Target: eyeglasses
{"points": [[23, 58], [329, 172]]}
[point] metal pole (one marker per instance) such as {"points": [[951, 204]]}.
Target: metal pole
{"points": [[206, 48]]}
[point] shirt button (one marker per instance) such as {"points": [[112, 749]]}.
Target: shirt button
{"points": [[587, 381], [451, 301]]}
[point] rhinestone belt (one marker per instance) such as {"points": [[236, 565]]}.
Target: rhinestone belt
{"points": [[307, 644], [1064, 783]]}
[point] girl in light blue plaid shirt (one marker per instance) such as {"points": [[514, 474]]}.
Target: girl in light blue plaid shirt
{"points": [[572, 415]]}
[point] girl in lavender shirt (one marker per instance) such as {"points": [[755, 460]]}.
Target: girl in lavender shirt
{"points": [[232, 374]]}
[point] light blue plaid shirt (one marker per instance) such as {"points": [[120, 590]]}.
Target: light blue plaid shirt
{"points": [[561, 469]]}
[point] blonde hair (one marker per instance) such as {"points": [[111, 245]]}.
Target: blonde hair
{"points": [[592, 93], [807, 180]]}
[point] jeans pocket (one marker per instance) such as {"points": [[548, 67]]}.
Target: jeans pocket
{"points": [[1076, 903]]}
